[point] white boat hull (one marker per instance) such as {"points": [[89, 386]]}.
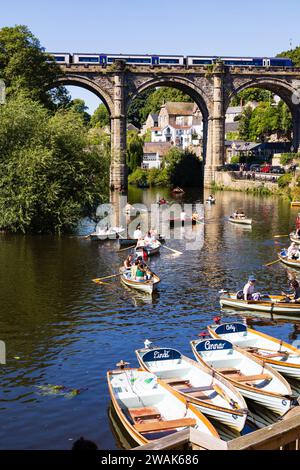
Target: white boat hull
{"points": [[147, 287], [195, 375], [269, 388], [269, 307], [293, 263], [240, 221]]}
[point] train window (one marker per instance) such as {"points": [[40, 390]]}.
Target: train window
{"points": [[88, 59], [169, 61], [60, 59], [138, 60], [201, 61]]}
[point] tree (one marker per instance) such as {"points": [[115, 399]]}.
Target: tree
{"points": [[183, 168], [49, 176], [293, 54], [100, 118], [244, 126], [26, 69], [136, 113], [135, 145], [251, 94], [78, 105]]}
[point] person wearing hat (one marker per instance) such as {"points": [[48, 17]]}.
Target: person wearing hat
{"points": [[249, 288]]}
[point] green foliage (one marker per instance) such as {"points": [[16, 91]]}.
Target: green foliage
{"points": [[287, 158], [78, 105], [26, 69], [100, 118], [235, 159], [293, 54], [49, 177], [134, 154], [135, 114], [261, 122], [139, 177], [147, 136], [251, 94], [285, 180]]}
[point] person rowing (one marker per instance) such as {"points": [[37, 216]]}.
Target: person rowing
{"points": [[137, 235], [295, 296], [128, 262], [249, 290], [238, 214], [293, 251]]}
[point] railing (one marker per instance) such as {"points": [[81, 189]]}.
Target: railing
{"points": [[283, 435], [253, 176]]}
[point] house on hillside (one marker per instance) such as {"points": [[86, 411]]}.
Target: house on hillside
{"points": [[151, 121], [180, 124], [154, 153]]}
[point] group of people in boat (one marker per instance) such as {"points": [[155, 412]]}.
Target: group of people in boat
{"points": [[249, 291], [139, 270], [238, 214], [293, 251]]}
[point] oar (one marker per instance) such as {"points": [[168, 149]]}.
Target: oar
{"points": [[280, 236], [125, 249], [273, 262], [106, 277], [224, 395], [171, 249]]}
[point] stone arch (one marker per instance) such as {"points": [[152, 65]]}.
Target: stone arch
{"points": [[280, 87], [87, 84], [183, 84], [202, 100], [283, 88]]}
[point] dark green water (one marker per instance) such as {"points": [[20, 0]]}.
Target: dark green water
{"points": [[62, 329]]}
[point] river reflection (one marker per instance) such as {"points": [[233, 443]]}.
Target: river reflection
{"points": [[62, 329]]}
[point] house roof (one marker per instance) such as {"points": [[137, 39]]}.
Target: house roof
{"points": [[155, 128], [180, 109], [232, 126], [132, 127], [157, 147], [234, 110]]}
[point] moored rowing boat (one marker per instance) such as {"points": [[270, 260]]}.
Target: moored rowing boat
{"points": [[104, 233], [149, 409], [213, 394], [271, 303], [252, 377], [147, 286], [284, 357], [125, 242]]}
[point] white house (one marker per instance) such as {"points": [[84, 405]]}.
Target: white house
{"points": [[154, 153]]}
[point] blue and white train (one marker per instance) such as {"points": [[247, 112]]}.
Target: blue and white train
{"points": [[171, 60]]}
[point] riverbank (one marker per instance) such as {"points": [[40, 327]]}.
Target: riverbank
{"points": [[225, 181]]}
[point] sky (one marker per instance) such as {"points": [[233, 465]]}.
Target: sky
{"points": [[193, 27]]}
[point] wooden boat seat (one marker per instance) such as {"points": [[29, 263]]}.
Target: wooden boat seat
{"points": [[176, 380], [196, 389], [160, 425], [226, 370], [252, 378], [141, 414]]}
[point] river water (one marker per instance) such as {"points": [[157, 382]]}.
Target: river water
{"points": [[61, 329]]}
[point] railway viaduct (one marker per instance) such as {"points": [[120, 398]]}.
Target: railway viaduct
{"points": [[211, 87]]}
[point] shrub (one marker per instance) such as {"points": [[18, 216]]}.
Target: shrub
{"points": [[285, 180]]}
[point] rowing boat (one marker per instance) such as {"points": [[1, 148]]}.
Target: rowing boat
{"points": [[211, 393], [240, 220], [125, 242], [104, 233], [146, 286], [295, 204], [294, 238], [149, 409], [284, 357], [294, 263], [253, 378], [269, 303], [152, 249]]}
